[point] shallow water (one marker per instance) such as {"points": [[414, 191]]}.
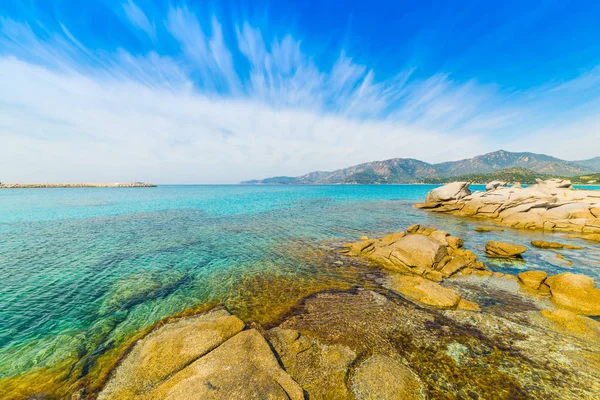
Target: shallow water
{"points": [[82, 270]]}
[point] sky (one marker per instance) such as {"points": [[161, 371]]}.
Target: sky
{"points": [[219, 92]]}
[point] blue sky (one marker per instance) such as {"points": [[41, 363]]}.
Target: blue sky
{"points": [[218, 92]]}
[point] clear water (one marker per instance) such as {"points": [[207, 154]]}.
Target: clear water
{"points": [[81, 270]]}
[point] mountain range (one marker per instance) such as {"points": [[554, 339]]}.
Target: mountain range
{"points": [[408, 170]]}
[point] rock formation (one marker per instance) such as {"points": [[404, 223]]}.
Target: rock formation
{"points": [[421, 251], [495, 185], [551, 205], [567, 291], [208, 356], [496, 249]]}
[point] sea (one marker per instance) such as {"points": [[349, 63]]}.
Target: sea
{"points": [[83, 270]]}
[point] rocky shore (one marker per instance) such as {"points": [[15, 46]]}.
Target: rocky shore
{"points": [[74, 185], [551, 205], [434, 323]]}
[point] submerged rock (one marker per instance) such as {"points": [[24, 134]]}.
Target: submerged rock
{"points": [[383, 378], [320, 369], [553, 245], [488, 229], [497, 249], [423, 291]]}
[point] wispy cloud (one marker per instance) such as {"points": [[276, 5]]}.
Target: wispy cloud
{"points": [[138, 18], [239, 104]]}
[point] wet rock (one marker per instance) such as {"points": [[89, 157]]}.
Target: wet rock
{"points": [[553, 245], [451, 191], [383, 378], [571, 322], [243, 367], [455, 242], [575, 292], [488, 229], [497, 249], [500, 352], [169, 349], [425, 252], [423, 291], [320, 369], [467, 305], [208, 356], [413, 228], [532, 279]]}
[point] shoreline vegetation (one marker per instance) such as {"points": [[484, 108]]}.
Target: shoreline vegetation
{"points": [[419, 317], [74, 185]]}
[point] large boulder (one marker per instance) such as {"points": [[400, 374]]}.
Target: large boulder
{"points": [[417, 251], [451, 191], [575, 292], [532, 279], [495, 185], [551, 185], [383, 378], [243, 367], [497, 249], [208, 356], [421, 290], [169, 349]]}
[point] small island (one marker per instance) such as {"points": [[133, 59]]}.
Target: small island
{"points": [[74, 185]]}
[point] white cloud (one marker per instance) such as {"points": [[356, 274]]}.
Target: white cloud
{"points": [[139, 19], [115, 129], [69, 114]]}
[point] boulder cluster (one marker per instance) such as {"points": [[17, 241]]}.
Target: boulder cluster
{"points": [[422, 257], [572, 292], [551, 205], [422, 251]]}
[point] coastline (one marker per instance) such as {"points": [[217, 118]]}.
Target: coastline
{"points": [[338, 332], [74, 185]]}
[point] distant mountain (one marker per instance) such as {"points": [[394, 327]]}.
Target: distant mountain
{"points": [[510, 175], [408, 170], [592, 163]]}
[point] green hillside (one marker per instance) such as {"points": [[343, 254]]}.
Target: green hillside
{"points": [[510, 175]]}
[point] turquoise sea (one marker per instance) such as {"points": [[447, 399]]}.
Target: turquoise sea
{"points": [[81, 270]]}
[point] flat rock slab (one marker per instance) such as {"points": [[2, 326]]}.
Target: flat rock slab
{"points": [[496, 249], [575, 292], [169, 349], [242, 368], [208, 356], [383, 378], [424, 291]]}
